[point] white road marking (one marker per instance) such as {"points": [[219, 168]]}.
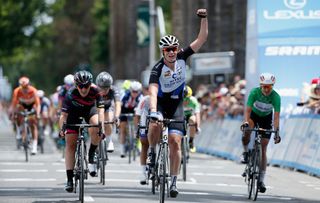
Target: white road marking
{"points": [[193, 180], [88, 199], [21, 164], [23, 170], [195, 193], [26, 179], [212, 167], [26, 189], [217, 174]]}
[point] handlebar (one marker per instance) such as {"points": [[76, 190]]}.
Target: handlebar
{"points": [[26, 113], [127, 114], [260, 130]]}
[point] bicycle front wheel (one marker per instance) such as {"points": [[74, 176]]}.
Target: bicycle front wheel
{"points": [[163, 172], [82, 176], [256, 173], [102, 160]]}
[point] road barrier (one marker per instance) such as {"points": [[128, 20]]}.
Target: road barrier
{"points": [[299, 148]]}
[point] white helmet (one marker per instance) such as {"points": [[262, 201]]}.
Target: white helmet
{"points": [[68, 79], [40, 93], [267, 79], [135, 86], [168, 41]]}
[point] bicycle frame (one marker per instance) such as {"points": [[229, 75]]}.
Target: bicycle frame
{"points": [[27, 129]]}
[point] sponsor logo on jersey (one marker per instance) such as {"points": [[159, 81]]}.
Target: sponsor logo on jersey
{"points": [[167, 74]]}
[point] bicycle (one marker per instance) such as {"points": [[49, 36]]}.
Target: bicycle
{"points": [[159, 173], [131, 140], [252, 169], [81, 163], [102, 156], [185, 151], [27, 129]]}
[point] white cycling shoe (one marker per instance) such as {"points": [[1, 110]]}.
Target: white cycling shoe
{"points": [[92, 169], [110, 147]]}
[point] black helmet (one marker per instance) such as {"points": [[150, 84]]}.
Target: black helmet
{"points": [[104, 80], [82, 77]]}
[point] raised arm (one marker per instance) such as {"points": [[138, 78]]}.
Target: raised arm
{"points": [[203, 33]]}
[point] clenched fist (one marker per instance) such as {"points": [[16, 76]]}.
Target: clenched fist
{"points": [[202, 13]]}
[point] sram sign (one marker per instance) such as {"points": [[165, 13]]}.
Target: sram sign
{"points": [[294, 11], [292, 51]]}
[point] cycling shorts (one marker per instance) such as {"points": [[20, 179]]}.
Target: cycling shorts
{"points": [[264, 122], [74, 118]]}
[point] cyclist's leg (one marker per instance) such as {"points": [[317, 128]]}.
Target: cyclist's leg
{"points": [[246, 138], [144, 150], [266, 123], [95, 139], [108, 116], [154, 131], [192, 130], [71, 143], [122, 135]]}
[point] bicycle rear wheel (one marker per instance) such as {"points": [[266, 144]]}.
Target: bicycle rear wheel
{"points": [[163, 172], [81, 175], [256, 173], [27, 142], [184, 157]]}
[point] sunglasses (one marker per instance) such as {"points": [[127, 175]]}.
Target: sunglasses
{"points": [[81, 86], [134, 91], [168, 49], [266, 86]]}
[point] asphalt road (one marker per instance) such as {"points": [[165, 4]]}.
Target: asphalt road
{"points": [[210, 179]]}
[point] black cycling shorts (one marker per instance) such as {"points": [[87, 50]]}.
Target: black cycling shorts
{"points": [[74, 118], [176, 113], [264, 122]]}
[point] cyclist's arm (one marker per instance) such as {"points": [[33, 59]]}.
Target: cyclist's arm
{"points": [[247, 114], [117, 108], [198, 119], [202, 36], [153, 88], [62, 119], [101, 116], [276, 120]]}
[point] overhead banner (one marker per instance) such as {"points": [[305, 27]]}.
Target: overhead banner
{"points": [[283, 38]]}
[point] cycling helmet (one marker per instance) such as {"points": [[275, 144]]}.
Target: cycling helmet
{"points": [[24, 81], [82, 77], [187, 91], [315, 85], [68, 79], [267, 79], [135, 86], [168, 41], [126, 84], [40, 93], [104, 80]]}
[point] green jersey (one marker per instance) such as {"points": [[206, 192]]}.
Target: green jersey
{"points": [[190, 106], [263, 105]]}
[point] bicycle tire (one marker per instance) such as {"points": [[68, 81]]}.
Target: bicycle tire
{"points": [[163, 172], [102, 162], [249, 173], [26, 142], [129, 147], [82, 176], [256, 173], [184, 158]]}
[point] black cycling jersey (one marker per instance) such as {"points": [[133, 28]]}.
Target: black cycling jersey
{"points": [[113, 95], [75, 103]]}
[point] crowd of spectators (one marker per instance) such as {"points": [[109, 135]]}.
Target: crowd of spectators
{"points": [[225, 100]]}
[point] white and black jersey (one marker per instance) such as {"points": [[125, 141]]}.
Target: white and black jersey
{"points": [[171, 82]]}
